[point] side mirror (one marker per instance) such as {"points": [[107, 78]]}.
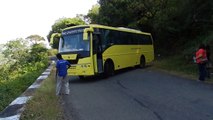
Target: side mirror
{"points": [[85, 34], [53, 36]]}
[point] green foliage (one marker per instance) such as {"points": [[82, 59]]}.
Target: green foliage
{"points": [[17, 84], [16, 50], [60, 24], [35, 39], [172, 23], [129, 13], [183, 62], [182, 22], [38, 53], [93, 14], [177, 64], [115, 13], [192, 46], [5, 72], [23, 65], [3, 60]]}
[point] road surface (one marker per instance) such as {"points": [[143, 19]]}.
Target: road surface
{"points": [[139, 94]]}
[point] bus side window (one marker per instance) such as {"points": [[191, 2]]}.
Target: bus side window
{"points": [[104, 38], [109, 38], [113, 37], [95, 43], [126, 39], [145, 39]]}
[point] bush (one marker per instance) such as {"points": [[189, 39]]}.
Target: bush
{"points": [[21, 69], [177, 63], [18, 83]]}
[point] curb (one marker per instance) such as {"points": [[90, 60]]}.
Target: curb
{"points": [[14, 110]]}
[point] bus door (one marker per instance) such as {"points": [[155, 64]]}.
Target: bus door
{"points": [[97, 49]]}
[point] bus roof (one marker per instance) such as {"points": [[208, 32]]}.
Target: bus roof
{"points": [[109, 27]]}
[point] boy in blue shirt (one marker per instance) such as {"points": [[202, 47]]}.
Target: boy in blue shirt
{"points": [[62, 83]]}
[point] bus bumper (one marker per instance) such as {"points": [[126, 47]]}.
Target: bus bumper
{"points": [[81, 70]]}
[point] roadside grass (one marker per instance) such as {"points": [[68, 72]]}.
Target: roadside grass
{"points": [[45, 104], [12, 88], [177, 65]]}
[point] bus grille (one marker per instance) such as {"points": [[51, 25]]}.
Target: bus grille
{"points": [[73, 61], [73, 67]]}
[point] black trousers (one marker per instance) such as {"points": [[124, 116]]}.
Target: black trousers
{"points": [[202, 71]]}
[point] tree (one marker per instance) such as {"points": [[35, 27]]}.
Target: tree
{"points": [[62, 23], [38, 53], [93, 14], [35, 39], [180, 22], [172, 23], [16, 49], [16, 52], [115, 13]]}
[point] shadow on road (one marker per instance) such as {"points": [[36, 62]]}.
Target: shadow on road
{"points": [[89, 79], [100, 77]]}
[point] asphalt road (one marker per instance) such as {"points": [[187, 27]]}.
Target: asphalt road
{"points": [[139, 94]]}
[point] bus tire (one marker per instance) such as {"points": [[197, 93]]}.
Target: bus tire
{"points": [[142, 62], [81, 77], [108, 69]]}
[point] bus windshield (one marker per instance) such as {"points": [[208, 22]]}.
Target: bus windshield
{"points": [[73, 43]]}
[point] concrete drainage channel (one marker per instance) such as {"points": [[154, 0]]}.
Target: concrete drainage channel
{"points": [[16, 107]]}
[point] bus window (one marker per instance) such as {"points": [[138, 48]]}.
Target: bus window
{"points": [[112, 37], [145, 39], [125, 38], [95, 44], [73, 42]]}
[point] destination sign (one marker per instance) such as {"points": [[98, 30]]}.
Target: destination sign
{"points": [[72, 31]]}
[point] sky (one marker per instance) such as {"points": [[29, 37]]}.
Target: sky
{"points": [[22, 18]]}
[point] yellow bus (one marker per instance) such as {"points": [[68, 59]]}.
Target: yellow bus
{"points": [[97, 49]]}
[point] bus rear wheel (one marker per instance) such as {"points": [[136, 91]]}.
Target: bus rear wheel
{"points": [[142, 62], [108, 69]]}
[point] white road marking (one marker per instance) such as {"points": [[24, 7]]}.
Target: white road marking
{"points": [[15, 117], [42, 77], [34, 86], [46, 73], [20, 100]]}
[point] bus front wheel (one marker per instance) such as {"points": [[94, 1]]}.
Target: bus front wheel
{"points": [[81, 77], [108, 69], [142, 62]]}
